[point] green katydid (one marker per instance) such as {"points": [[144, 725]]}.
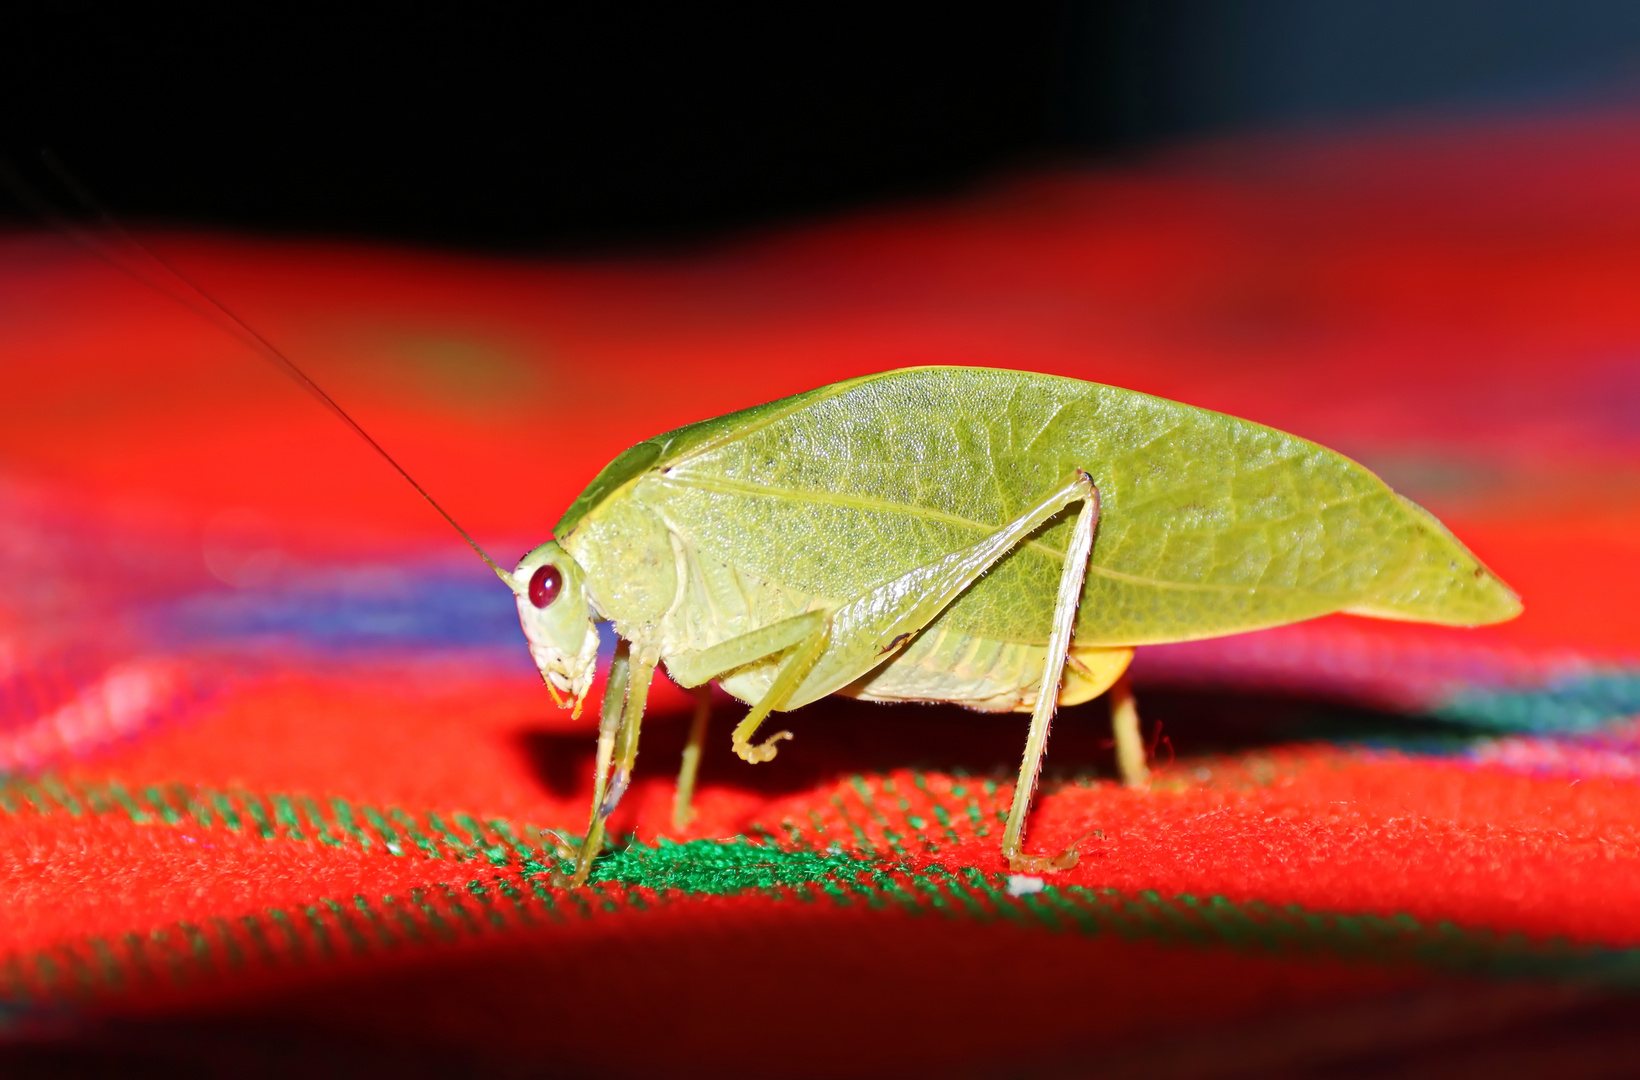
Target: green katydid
{"points": [[944, 534], [961, 535]]}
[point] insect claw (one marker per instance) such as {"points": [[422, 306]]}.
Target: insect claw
{"points": [[763, 751], [1069, 857], [1020, 863], [574, 854], [561, 847]]}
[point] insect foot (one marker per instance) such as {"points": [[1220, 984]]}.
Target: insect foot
{"points": [[566, 850], [569, 881], [763, 751], [1020, 863], [1043, 864], [577, 877]]}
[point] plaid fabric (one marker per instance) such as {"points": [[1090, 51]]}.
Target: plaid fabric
{"points": [[277, 766]]}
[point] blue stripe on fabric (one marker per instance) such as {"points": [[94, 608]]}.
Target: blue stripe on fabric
{"points": [[1566, 704]]}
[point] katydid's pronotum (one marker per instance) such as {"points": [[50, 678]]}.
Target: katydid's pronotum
{"points": [[925, 535]]}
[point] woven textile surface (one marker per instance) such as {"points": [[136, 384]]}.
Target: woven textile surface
{"points": [[275, 767]]}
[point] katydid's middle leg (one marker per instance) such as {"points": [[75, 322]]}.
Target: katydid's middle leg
{"points": [[689, 768], [1130, 749], [803, 635], [786, 679], [1047, 697]]}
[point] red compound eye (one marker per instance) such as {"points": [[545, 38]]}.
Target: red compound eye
{"points": [[545, 584]]}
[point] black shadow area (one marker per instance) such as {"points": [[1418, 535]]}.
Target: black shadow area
{"points": [[838, 737]]}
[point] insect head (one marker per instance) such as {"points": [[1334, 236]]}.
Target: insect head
{"points": [[552, 606]]}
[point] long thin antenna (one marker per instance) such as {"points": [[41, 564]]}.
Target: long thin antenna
{"points": [[253, 337]]}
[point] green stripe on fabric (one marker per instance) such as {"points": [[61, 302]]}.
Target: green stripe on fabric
{"points": [[640, 877], [714, 868], [508, 887], [339, 823]]}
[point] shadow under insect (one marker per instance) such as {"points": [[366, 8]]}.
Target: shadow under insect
{"points": [[838, 737]]}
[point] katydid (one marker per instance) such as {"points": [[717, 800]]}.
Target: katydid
{"points": [[996, 539]]}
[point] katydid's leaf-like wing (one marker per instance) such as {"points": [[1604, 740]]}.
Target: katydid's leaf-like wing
{"points": [[1210, 525]]}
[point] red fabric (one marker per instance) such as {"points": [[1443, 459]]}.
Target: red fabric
{"points": [[1456, 308]]}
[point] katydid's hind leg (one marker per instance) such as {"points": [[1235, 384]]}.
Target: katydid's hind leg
{"points": [[878, 621], [1130, 749], [682, 812], [1059, 641]]}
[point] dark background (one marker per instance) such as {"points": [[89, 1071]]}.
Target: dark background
{"points": [[598, 126]]}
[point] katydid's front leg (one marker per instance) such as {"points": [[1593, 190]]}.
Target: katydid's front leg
{"points": [[609, 724], [625, 698]]}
